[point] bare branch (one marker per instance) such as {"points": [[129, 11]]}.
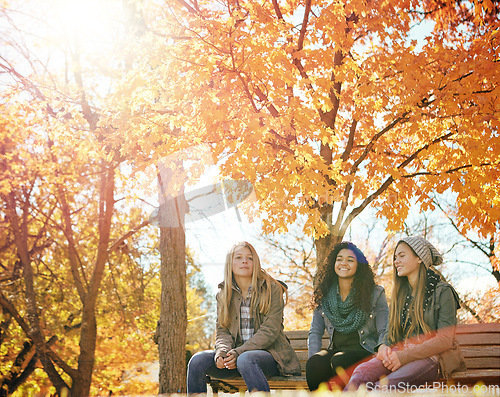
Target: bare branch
{"points": [[187, 6], [462, 302]]}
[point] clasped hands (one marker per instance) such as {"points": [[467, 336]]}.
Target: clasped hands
{"points": [[389, 358], [228, 362]]}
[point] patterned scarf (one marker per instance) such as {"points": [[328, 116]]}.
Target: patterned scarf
{"points": [[344, 316], [430, 286]]}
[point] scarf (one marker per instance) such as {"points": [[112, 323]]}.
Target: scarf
{"points": [[430, 286], [344, 316]]}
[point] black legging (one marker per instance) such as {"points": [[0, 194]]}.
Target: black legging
{"points": [[321, 366]]}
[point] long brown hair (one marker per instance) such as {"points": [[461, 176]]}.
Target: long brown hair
{"points": [[416, 309], [261, 297]]}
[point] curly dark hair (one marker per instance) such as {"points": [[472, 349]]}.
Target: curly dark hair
{"points": [[362, 284]]}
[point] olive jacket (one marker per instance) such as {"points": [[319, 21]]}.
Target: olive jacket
{"points": [[441, 316], [268, 332], [371, 335]]}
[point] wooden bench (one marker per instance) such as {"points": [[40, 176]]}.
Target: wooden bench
{"points": [[480, 344]]}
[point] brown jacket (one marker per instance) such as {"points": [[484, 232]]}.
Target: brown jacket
{"points": [[268, 332], [441, 316]]}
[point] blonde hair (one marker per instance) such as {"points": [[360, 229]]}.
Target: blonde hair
{"points": [[260, 298], [415, 310]]}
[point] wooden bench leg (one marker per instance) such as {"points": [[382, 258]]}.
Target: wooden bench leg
{"points": [[213, 385]]}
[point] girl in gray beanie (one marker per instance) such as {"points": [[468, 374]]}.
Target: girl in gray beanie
{"points": [[421, 340]]}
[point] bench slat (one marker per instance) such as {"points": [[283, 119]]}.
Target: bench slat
{"points": [[483, 362], [475, 358], [276, 382], [297, 334], [479, 339], [472, 376], [477, 328], [481, 351], [301, 344]]}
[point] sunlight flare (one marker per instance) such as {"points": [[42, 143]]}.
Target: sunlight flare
{"points": [[92, 25]]}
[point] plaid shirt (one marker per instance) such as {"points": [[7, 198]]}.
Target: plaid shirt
{"points": [[246, 321]]}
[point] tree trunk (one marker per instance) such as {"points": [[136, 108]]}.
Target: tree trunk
{"points": [[324, 245], [173, 316], [19, 228], [82, 379]]}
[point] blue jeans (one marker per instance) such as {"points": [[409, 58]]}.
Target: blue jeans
{"points": [[414, 373], [253, 366]]}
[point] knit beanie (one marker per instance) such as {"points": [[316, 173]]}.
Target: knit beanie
{"points": [[424, 250]]}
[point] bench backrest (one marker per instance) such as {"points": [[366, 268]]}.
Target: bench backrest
{"points": [[480, 344], [298, 340]]}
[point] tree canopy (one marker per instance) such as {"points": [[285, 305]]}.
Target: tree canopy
{"points": [[328, 107]]}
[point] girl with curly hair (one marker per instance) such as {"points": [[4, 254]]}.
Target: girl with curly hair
{"points": [[249, 339], [354, 311]]}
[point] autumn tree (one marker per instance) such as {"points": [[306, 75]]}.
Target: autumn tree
{"points": [[73, 66], [71, 217], [59, 235], [331, 107], [326, 108]]}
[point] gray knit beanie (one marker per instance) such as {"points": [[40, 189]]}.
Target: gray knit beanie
{"points": [[424, 250]]}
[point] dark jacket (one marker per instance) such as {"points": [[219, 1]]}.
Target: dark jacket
{"points": [[268, 334], [372, 334]]}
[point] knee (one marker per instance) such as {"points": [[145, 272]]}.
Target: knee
{"points": [[343, 360], [244, 360], [200, 361], [313, 362], [360, 373]]}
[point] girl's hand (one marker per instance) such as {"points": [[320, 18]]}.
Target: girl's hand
{"points": [[219, 363], [393, 362], [388, 357], [383, 353], [230, 361]]}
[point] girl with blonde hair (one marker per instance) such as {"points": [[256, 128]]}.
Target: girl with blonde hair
{"points": [[249, 339], [422, 343]]}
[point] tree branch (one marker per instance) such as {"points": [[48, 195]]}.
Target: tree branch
{"points": [[350, 141], [356, 211], [303, 28], [188, 7], [372, 142], [277, 10], [450, 171], [263, 98], [462, 302], [120, 241]]}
